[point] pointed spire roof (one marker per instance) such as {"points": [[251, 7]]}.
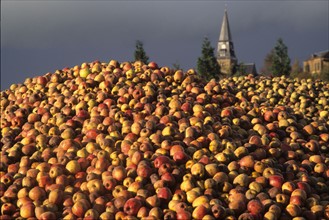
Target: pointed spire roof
{"points": [[225, 33]]}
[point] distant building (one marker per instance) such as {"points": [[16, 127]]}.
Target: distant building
{"points": [[317, 63], [225, 49], [249, 68], [226, 58]]}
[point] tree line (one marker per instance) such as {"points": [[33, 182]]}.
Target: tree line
{"points": [[276, 63]]}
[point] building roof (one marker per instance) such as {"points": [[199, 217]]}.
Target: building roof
{"points": [[225, 33], [250, 68], [321, 54]]}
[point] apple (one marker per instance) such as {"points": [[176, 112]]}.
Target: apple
{"points": [[132, 206], [47, 215], [269, 116], [282, 199], [247, 161], [27, 210], [153, 65], [297, 200], [56, 196], [180, 157], [156, 212], [119, 173], [153, 201], [304, 186], [237, 206], [165, 168], [8, 208], [183, 215], [276, 181], [169, 179], [164, 194], [80, 207], [255, 207], [199, 212], [91, 214], [293, 210], [84, 72], [161, 160], [37, 194], [143, 212], [288, 187], [144, 170], [73, 166], [299, 192], [270, 216]]}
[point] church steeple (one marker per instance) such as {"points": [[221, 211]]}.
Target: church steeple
{"points": [[225, 49], [225, 33]]}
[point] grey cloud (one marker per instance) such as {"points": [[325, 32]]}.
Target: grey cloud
{"points": [[55, 34]]}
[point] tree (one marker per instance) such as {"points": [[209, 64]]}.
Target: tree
{"points": [[207, 64], [176, 66], [296, 69], [267, 66], [140, 52], [280, 61]]}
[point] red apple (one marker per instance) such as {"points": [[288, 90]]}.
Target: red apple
{"points": [[153, 65], [218, 211], [183, 215], [164, 168], [269, 116], [247, 161], [180, 157], [255, 207], [297, 200], [276, 181], [164, 194], [132, 206], [304, 186], [48, 215], [169, 179], [199, 212], [41, 80], [144, 171], [161, 160]]}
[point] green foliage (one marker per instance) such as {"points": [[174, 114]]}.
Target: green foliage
{"points": [[296, 69], [268, 61], [139, 53], [176, 66], [280, 60], [207, 64]]}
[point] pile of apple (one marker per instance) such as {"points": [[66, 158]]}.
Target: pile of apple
{"points": [[135, 141]]}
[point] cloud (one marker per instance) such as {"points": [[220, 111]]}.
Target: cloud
{"points": [[43, 24], [68, 32]]}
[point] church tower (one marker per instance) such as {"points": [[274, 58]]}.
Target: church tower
{"points": [[225, 50]]}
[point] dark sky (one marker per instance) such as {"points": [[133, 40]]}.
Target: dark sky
{"points": [[41, 36]]}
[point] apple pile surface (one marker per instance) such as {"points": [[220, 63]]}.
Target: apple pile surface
{"points": [[135, 141]]}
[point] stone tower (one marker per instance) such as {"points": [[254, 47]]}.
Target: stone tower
{"points": [[225, 50]]}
